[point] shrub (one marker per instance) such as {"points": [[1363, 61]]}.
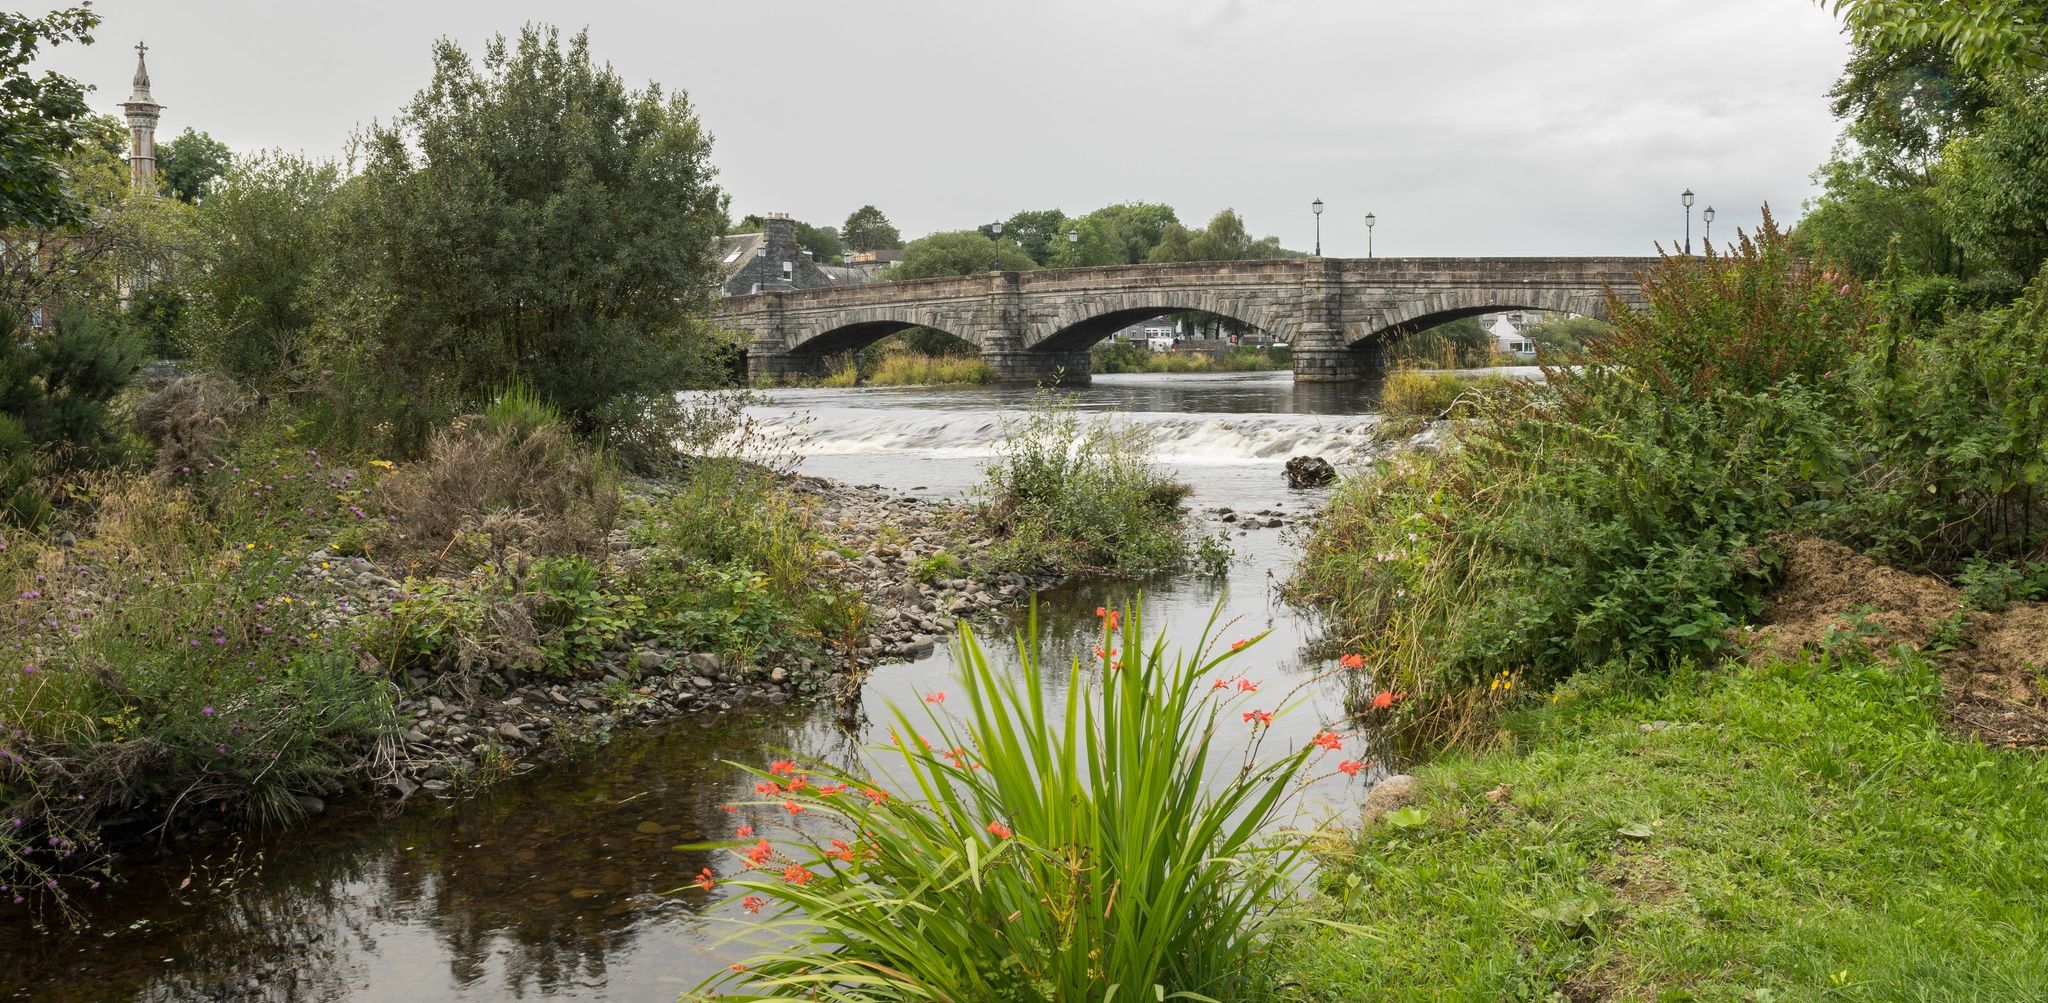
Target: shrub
{"points": [[56, 388], [550, 614], [1081, 496], [186, 422], [513, 479], [1086, 850], [1418, 394]]}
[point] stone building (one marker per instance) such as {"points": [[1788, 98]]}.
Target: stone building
{"points": [[772, 259], [142, 112]]}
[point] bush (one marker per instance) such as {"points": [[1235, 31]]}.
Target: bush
{"points": [[186, 422], [514, 479], [1087, 851], [1081, 496], [1412, 393], [551, 615], [55, 391], [905, 368]]}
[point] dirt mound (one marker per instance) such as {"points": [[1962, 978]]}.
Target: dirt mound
{"points": [[1995, 676]]}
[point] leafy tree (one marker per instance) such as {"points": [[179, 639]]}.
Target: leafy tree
{"points": [[866, 229], [822, 241], [191, 163], [1123, 234], [1993, 188], [1224, 239], [263, 235], [1036, 231], [530, 220], [120, 241], [1995, 38], [1561, 334], [956, 252], [41, 118], [55, 390]]}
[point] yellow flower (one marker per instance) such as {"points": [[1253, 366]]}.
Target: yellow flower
{"points": [[382, 464], [248, 546]]}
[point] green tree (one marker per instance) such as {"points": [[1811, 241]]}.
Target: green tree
{"points": [[121, 240], [55, 390], [1995, 38], [1993, 188], [531, 220], [956, 252], [1224, 239], [41, 119], [1036, 231], [1122, 234], [191, 163], [822, 241], [866, 229], [262, 236]]}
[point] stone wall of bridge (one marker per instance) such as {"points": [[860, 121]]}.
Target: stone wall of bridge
{"points": [[1338, 314]]}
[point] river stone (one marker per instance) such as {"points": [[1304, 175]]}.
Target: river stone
{"points": [[650, 659], [511, 733], [704, 663], [701, 683], [311, 805], [1395, 792], [1309, 472]]}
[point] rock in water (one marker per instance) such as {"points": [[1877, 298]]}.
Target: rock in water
{"points": [[1309, 472]]}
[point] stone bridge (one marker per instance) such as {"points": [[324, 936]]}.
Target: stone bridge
{"points": [[1339, 314]]}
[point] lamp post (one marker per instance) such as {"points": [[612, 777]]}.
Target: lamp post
{"points": [[1317, 208], [1686, 197], [1707, 217], [997, 230], [1073, 247], [1370, 219]]}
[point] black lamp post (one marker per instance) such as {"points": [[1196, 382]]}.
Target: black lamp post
{"points": [[1317, 208], [1073, 247], [1370, 219], [997, 230], [1686, 197], [1707, 217]]}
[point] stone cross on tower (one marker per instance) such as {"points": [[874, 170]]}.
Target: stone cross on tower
{"points": [[142, 111]]}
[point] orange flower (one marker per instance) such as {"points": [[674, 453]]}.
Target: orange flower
{"points": [[705, 881], [768, 788], [1258, 717], [1329, 740], [797, 874], [936, 696], [1238, 645], [792, 807], [999, 830], [874, 794], [781, 766], [1111, 619], [1382, 701], [799, 782], [830, 789], [744, 831], [1247, 686], [1352, 661], [759, 853], [1101, 612], [1220, 684], [841, 850], [729, 807], [752, 903], [1351, 767], [737, 967]]}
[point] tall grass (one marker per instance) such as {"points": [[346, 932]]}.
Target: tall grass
{"points": [[1089, 849], [906, 368], [1125, 357], [1418, 394]]}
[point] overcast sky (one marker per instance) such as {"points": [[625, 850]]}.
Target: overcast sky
{"points": [[1468, 126]]}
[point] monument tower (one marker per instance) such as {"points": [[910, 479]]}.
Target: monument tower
{"points": [[142, 111]]}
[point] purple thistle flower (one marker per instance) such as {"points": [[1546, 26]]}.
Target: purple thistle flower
{"points": [[206, 711]]}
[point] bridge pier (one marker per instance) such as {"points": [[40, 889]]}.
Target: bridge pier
{"points": [[1339, 365], [1053, 369]]}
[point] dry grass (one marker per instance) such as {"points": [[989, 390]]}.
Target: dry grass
{"points": [[486, 487], [187, 420]]}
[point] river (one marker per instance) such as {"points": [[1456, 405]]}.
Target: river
{"points": [[564, 883]]}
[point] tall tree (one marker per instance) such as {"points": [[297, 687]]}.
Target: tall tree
{"points": [[532, 220], [191, 163], [1224, 239], [41, 119], [262, 236], [957, 252], [1035, 230], [866, 229]]}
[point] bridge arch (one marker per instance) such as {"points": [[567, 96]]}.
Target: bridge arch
{"points": [[1424, 312], [1076, 326], [855, 335]]}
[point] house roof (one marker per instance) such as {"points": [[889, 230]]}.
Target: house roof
{"points": [[734, 250]]}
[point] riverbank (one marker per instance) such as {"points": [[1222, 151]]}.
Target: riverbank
{"points": [[1802, 828]]}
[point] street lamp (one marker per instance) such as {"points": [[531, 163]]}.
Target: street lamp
{"points": [[1073, 247], [997, 229], [1370, 219], [1707, 242], [1686, 197], [1317, 208]]}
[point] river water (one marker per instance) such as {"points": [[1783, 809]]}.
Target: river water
{"points": [[564, 883]]}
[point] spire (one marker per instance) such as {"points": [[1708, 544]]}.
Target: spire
{"points": [[141, 95]]}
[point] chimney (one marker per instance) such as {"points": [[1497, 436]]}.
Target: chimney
{"points": [[779, 236]]}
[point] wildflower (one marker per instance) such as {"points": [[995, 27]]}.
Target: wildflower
{"points": [[841, 850], [797, 874], [744, 831], [781, 767], [936, 696], [759, 853], [736, 966], [874, 795], [1382, 701], [1247, 686], [1329, 740], [705, 880], [999, 830], [792, 807], [1220, 684], [1352, 661], [1258, 717], [206, 711], [1238, 645], [1112, 619], [734, 809], [830, 789], [752, 903], [1108, 616], [1351, 767], [799, 782], [768, 788]]}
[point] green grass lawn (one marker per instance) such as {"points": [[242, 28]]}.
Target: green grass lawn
{"points": [[1800, 831]]}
